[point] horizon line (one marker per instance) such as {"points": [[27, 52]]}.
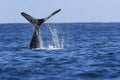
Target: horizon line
{"points": [[57, 22]]}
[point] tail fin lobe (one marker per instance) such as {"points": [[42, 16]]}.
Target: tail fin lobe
{"points": [[52, 14]]}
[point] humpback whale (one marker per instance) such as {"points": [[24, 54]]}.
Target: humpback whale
{"points": [[35, 41]]}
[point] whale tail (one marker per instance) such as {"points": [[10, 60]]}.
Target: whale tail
{"points": [[35, 42], [35, 21]]}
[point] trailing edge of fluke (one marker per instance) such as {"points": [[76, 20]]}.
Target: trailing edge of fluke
{"points": [[35, 42]]}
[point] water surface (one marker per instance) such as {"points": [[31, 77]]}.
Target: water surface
{"points": [[91, 52]]}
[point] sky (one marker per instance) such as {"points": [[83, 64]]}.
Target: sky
{"points": [[72, 10]]}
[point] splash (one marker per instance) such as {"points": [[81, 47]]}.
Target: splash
{"points": [[57, 42], [41, 42]]}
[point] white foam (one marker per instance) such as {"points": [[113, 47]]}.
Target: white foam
{"points": [[50, 47]]}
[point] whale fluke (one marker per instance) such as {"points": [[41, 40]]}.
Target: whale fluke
{"points": [[32, 20], [35, 42], [46, 18], [36, 21]]}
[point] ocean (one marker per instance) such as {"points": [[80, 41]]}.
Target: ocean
{"points": [[70, 51]]}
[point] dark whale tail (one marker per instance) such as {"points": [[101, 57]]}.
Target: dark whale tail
{"points": [[36, 21], [35, 42], [32, 20]]}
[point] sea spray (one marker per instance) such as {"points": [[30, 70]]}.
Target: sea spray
{"points": [[41, 41], [57, 42]]}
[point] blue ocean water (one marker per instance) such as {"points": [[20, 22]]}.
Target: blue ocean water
{"points": [[91, 52]]}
